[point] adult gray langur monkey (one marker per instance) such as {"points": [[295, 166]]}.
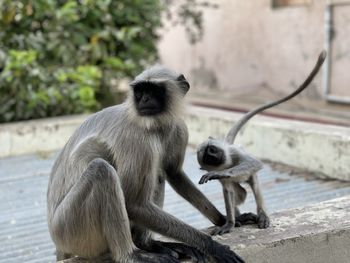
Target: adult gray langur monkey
{"points": [[106, 188], [231, 165]]}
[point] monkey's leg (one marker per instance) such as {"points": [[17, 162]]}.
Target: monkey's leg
{"points": [[143, 237], [230, 204], [240, 195], [263, 219], [92, 219]]}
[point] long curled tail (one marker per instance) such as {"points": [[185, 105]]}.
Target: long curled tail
{"points": [[239, 124]]}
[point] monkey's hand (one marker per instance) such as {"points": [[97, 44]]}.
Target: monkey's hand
{"points": [[178, 250], [242, 219], [220, 230], [214, 175]]}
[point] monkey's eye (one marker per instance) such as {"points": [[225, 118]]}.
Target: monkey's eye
{"points": [[138, 94], [212, 149], [159, 92]]}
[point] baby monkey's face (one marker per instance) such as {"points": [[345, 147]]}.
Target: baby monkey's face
{"points": [[211, 155]]}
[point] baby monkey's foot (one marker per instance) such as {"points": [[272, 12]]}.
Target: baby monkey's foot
{"points": [[263, 220], [219, 230], [246, 219]]}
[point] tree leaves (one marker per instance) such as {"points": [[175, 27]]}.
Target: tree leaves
{"points": [[58, 56]]}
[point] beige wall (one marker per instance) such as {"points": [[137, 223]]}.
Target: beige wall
{"points": [[249, 44]]}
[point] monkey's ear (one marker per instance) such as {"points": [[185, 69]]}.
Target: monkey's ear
{"points": [[133, 83], [183, 83]]}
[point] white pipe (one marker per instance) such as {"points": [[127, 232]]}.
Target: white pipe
{"points": [[327, 47], [328, 26]]}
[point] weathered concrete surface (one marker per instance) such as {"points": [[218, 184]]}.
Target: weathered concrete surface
{"points": [[314, 234], [42, 135], [318, 148], [314, 147]]}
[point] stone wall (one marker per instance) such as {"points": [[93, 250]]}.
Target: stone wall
{"points": [[250, 44]]}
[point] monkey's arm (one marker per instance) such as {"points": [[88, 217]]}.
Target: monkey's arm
{"points": [[247, 166], [184, 187], [180, 181], [154, 218]]}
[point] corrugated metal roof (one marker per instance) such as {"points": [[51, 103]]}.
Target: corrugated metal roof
{"points": [[24, 235]]}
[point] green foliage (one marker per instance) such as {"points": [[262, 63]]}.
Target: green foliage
{"points": [[29, 90], [58, 57], [61, 57]]}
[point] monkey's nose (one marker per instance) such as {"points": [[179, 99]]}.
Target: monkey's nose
{"points": [[145, 98]]}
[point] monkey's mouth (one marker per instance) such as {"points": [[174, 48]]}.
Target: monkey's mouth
{"points": [[149, 111]]}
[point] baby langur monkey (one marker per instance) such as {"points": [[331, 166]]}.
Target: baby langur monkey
{"points": [[231, 165]]}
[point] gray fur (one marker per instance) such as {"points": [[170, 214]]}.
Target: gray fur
{"points": [[238, 166], [106, 188]]}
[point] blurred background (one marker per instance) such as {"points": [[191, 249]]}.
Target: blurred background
{"points": [[66, 57], [254, 51]]}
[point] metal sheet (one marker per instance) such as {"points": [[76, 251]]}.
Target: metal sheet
{"points": [[24, 235]]}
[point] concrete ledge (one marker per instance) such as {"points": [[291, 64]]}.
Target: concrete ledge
{"points": [[315, 147], [42, 135], [314, 234]]}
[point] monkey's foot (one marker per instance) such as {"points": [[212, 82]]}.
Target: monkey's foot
{"points": [[141, 256], [220, 230], [183, 251], [159, 247], [263, 220], [246, 219], [212, 176]]}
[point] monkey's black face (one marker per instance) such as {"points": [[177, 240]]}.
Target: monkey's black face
{"points": [[150, 98], [213, 156]]}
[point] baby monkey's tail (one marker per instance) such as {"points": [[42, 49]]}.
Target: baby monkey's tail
{"points": [[239, 124]]}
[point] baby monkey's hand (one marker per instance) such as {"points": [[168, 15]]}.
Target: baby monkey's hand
{"points": [[214, 175]]}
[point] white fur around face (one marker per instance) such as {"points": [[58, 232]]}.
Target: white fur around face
{"points": [[156, 72], [175, 107]]}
